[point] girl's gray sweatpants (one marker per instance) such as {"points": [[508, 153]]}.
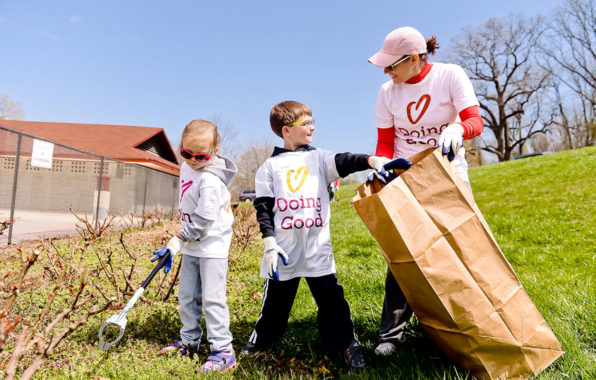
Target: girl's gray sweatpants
{"points": [[203, 288]]}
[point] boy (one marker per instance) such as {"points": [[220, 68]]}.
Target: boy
{"points": [[293, 212]]}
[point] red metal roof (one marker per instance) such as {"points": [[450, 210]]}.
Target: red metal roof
{"points": [[115, 141]]}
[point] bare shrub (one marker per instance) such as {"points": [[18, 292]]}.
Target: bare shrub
{"points": [[87, 229], [67, 305], [246, 227]]}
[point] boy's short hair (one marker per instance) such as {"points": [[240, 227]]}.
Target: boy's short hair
{"points": [[200, 127], [285, 113]]}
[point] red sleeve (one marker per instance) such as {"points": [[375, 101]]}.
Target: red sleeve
{"points": [[385, 142], [471, 121]]}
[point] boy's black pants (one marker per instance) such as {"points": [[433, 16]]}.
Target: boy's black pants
{"points": [[335, 323]]}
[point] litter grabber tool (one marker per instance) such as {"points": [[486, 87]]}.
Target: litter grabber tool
{"points": [[120, 319]]}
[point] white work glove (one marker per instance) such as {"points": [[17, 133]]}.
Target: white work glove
{"points": [[451, 140], [175, 245], [377, 162], [272, 252]]}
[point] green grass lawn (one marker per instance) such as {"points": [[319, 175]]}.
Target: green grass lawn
{"points": [[541, 211]]}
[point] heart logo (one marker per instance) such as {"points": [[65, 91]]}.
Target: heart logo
{"points": [[423, 99], [297, 176]]}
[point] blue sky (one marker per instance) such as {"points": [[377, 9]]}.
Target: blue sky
{"points": [[162, 64]]}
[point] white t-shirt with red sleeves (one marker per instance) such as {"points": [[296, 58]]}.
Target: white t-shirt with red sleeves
{"points": [[420, 111]]}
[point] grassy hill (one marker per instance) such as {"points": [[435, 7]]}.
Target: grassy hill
{"points": [[541, 211]]}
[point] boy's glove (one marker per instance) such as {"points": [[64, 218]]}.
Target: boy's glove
{"points": [[272, 251], [451, 140], [387, 172], [377, 162], [174, 246]]}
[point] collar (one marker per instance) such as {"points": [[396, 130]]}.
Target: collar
{"points": [[303, 148], [423, 73]]}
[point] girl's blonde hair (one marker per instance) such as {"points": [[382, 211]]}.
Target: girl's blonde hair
{"points": [[199, 127]]}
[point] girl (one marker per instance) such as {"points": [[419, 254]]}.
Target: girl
{"points": [[204, 240]]}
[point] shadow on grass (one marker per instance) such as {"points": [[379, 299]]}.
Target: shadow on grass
{"points": [[300, 353]]}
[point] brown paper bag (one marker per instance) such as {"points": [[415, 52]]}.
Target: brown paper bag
{"points": [[453, 273]]}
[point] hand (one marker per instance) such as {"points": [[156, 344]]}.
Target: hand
{"points": [[387, 172], [272, 251], [451, 140], [161, 253], [174, 246], [377, 162]]}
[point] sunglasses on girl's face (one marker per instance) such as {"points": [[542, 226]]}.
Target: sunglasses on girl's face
{"points": [[201, 157]]}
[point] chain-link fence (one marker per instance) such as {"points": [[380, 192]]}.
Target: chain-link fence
{"points": [[39, 200]]}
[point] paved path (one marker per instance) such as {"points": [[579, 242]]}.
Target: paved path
{"points": [[31, 225]]}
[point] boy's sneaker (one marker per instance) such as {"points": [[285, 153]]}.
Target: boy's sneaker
{"points": [[354, 356], [178, 348], [385, 349], [219, 361], [251, 349]]}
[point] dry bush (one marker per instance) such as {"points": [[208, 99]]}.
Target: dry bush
{"points": [[87, 230], [120, 268], [50, 290], [246, 227], [63, 303]]}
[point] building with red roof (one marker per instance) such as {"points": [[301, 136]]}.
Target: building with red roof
{"points": [[115, 168], [147, 146]]}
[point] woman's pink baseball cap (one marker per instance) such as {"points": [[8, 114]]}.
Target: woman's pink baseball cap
{"points": [[402, 41]]}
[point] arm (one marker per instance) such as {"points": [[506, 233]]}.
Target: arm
{"points": [[385, 143], [204, 214], [264, 207], [471, 122], [196, 229], [348, 163], [264, 204]]}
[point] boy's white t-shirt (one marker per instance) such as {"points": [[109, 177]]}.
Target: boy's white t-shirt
{"points": [[420, 111], [298, 181], [203, 193]]}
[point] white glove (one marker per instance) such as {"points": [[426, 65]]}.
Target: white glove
{"points": [[175, 245], [377, 162], [451, 140], [272, 252]]}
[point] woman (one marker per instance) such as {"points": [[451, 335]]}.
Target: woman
{"points": [[418, 109]]}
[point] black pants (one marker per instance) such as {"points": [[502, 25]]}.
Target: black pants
{"points": [[333, 317], [396, 312]]}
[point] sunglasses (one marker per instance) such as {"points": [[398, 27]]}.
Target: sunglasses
{"points": [[201, 157], [402, 59], [306, 122]]}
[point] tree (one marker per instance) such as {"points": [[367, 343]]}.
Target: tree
{"points": [[9, 109], [229, 136], [499, 59], [570, 53], [248, 162]]}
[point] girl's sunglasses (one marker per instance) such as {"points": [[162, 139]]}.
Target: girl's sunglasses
{"points": [[201, 157]]}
